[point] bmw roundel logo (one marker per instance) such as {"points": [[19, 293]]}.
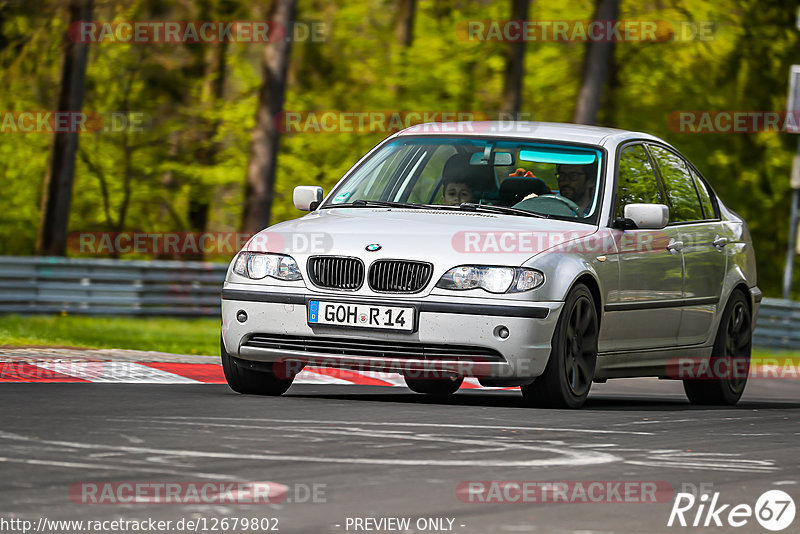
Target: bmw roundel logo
{"points": [[373, 247]]}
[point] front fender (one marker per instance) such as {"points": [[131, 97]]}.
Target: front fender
{"points": [[594, 255], [562, 271]]}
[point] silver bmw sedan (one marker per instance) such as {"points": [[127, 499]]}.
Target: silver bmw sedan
{"points": [[540, 255]]}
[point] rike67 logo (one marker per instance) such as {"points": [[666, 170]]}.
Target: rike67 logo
{"points": [[774, 510]]}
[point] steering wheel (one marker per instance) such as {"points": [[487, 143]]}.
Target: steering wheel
{"points": [[561, 205]]}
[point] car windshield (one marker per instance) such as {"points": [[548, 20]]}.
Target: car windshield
{"points": [[436, 172]]}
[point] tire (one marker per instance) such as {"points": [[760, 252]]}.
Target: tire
{"points": [[732, 344], [440, 388], [250, 382], [568, 376]]}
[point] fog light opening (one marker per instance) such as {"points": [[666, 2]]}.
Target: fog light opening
{"points": [[241, 316], [501, 332]]}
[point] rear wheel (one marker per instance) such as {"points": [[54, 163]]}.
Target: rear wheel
{"points": [[273, 380], [568, 375], [441, 387], [730, 358]]}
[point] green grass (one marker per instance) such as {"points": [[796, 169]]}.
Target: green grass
{"points": [[180, 336], [781, 355]]}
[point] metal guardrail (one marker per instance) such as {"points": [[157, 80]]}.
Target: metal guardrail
{"points": [[109, 287], [778, 325], [124, 287]]}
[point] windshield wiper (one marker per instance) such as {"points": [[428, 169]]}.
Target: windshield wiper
{"points": [[385, 204], [505, 210]]}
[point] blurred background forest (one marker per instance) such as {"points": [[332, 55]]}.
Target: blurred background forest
{"points": [[186, 170]]}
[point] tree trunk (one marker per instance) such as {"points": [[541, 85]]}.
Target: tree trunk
{"points": [[515, 67], [57, 197], [596, 65], [405, 22], [264, 148], [404, 33], [201, 193]]}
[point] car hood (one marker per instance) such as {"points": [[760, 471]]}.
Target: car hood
{"points": [[444, 238]]}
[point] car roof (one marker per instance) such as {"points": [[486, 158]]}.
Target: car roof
{"points": [[551, 131]]}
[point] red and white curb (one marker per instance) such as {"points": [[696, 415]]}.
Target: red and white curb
{"points": [[128, 372]]}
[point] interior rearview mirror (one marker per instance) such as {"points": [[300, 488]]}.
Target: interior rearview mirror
{"points": [[501, 159], [307, 197], [647, 216]]}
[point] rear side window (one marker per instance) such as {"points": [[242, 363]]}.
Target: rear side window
{"points": [[636, 181], [679, 185], [705, 196]]}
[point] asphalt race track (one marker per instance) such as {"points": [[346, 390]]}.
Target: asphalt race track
{"points": [[380, 452]]}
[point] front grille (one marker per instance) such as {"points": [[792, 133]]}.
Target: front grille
{"points": [[373, 348], [399, 276], [336, 272]]}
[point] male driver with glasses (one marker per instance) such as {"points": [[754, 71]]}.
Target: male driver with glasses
{"points": [[576, 182]]}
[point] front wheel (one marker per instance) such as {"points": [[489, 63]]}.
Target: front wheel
{"points": [[252, 382], [730, 358], [568, 375], [435, 387]]}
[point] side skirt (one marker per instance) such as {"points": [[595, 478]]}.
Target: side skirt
{"points": [[632, 364]]}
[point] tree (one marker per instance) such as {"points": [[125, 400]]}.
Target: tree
{"points": [[597, 62], [57, 197], [266, 137], [515, 67], [405, 22]]}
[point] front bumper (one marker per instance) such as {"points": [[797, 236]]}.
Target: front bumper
{"points": [[467, 322]]}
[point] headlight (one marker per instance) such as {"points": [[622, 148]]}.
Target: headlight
{"points": [[258, 265], [492, 279]]}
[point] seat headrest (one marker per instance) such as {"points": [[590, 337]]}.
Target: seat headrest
{"points": [[458, 169]]}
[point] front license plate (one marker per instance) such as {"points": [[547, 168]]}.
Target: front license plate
{"points": [[361, 315]]}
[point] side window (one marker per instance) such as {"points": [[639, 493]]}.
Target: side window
{"points": [[636, 181], [705, 196], [679, 185]]}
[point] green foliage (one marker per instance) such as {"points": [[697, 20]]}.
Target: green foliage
{"points": [[195, 147]]}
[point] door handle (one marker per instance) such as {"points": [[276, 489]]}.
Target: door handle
{"points": [[674, 246], [720, 242]]}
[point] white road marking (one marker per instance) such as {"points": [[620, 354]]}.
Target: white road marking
{"points": [[704, 460], [702, 466], [656, 422], [563, 457], [310, 377], [390, 423], [122, 468]]}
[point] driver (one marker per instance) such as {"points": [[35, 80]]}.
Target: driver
{"points": [[576, 182]]}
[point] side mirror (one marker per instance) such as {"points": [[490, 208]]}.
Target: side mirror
{"points": [[647, 216], [307, 197]]}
